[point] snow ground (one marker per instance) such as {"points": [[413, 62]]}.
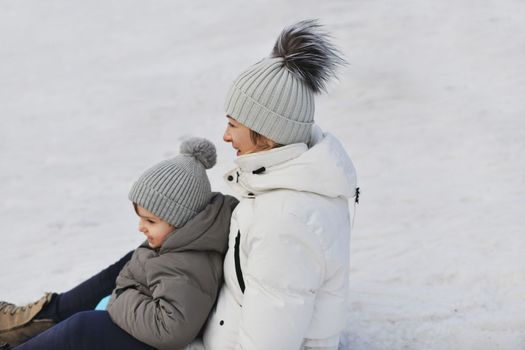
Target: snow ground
{"points": [[431, 109]]}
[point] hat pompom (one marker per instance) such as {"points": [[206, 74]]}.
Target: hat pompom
{"points": [[307, 52], [202, 149]]}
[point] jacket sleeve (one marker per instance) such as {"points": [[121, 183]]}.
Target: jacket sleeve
{"points": [[177, 308], [126, 279], [283, 272]]}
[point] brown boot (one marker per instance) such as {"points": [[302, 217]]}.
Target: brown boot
{"points": [[17, 323]]}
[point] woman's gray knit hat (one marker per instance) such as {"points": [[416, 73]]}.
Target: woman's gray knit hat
{"points": [[177, 189], [275, 97]]}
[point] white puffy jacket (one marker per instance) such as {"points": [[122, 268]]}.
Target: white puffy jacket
{"points": [[293, 227]]}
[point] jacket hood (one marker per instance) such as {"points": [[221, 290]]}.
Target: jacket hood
{"points": [[325, 169], [207, 231]]}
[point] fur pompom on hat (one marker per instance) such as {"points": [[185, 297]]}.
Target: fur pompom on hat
{"points": [[275, 97], [177, 189]]}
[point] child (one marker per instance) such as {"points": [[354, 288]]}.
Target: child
{"points": [[164, 293]]}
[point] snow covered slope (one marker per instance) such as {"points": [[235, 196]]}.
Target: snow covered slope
{"points": [[431, 109]]}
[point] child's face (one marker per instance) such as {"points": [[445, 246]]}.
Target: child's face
{"points": [[155, 229]]}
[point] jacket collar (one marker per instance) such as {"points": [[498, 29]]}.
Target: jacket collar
{"points": [[323, 168], [273, 157]]}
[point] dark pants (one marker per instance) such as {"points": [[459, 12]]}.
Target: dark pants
{"points": [[79, 327], [86, 330], [86, 295]]}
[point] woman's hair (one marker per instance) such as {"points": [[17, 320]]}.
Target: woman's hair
{"points": [[262, 141]]}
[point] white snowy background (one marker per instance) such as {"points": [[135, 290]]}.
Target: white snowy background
{"points": [[431, 108]]}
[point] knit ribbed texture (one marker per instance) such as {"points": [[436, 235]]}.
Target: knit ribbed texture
{"points": [[272, 101], [174, 190]]}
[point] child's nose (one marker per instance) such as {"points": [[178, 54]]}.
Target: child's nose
{"points": [[142, 228]]}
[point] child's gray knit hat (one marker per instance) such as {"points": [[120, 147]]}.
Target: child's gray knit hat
{"points": [[275, 97], [177, 189]]}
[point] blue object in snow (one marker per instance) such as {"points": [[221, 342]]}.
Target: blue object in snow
{"points": [[103, 303]]}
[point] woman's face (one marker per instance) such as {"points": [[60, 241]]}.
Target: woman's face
{"points": [[239, 136]]}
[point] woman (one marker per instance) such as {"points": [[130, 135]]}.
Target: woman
{"points": [[286, 268]]}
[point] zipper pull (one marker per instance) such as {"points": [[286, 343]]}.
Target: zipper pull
{"points": [[356, 202]]}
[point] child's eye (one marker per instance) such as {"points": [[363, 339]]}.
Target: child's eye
{"points": [[150, 221], [231, 125]]}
